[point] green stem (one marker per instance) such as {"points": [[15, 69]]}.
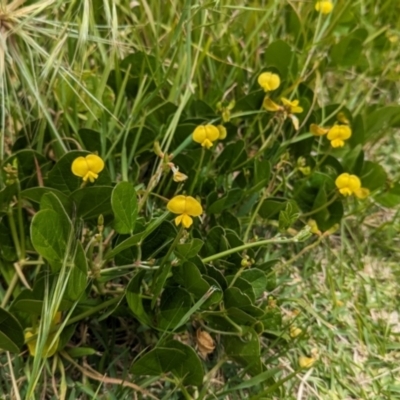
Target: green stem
{"points": [[14, 233], [94, 310], [332, 200], [254, 215], [192, 186], [10, 289], [21, 223], [246, 246], [165, 267]]}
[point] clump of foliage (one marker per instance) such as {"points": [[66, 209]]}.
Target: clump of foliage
{"points": [[151, 192]]}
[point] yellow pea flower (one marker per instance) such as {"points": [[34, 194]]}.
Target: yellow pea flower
{"points": [[313, 226], [351, 184], [306, 362], [205, 135], [317, 130], [295, 331], [288, 109], [88, 168], [187, 207], [269, 81], [177, 175], [324, 7], [269, 105], [48, 349], [292, 106], [338, 134], [222, 132]]}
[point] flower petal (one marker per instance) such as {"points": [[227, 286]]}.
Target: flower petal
{"points": [[193, 207], [342, 132], [80, 167], [186, 221], [324, 7], [269, 81], [177, 205], [269, 105], [207, 143], [199, 134], [95, 163], [342, 180], [317, 130], [362, 193], [178, 219], [212, 132], [222, 132]]}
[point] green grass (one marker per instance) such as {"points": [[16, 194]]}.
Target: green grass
{"points": [[61, 71]]}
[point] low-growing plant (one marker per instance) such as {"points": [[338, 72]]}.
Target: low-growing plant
{"points": [[149, 200]]}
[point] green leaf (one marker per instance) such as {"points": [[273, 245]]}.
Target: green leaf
{"points": [[189, 250], [124, 206], [373, 175], [288, 216], [174, 357], [175, 303], [78, 277], [50, 201], [381, 118], [134, 299], [92, 201], [126, 244], [261, 175], [245, 287], [35, 194], [189, 276], [279, 54], [231, 198], [347, 52], [245, 350], [233, 155], [390, 198], [157, 243], [50, 233], [272, 206], [11, 334], [257, 279], [7, 247]]}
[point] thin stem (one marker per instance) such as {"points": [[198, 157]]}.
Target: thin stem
{"points": [[203, 151], [332, 200], [14, 233], [246, 246], [254, 215], [94, 310], [10, 290], [21, 223]]}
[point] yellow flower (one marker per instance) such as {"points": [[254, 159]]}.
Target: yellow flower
{"points": [[324, 7], [292, 106], [269, 81], [288, 109], [269, 105], [295, 331], [338, 134], [49, 349], [222, 132], [177, 176], [205, 135], [187, 207], [313, 226], [87, 167], [306, 362], [351, 184], [317, 130]]}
